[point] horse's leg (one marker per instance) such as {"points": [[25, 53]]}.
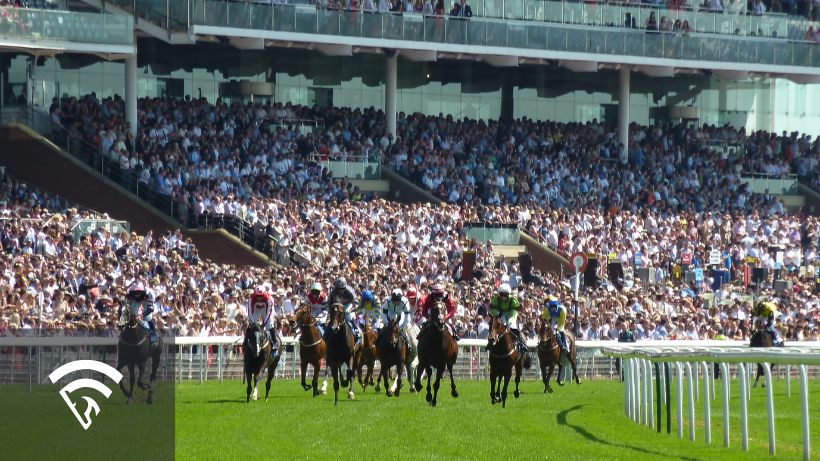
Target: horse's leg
{"points": [[504, 389], [543, 366], [131, 378], [255, 395], [350, 381], [439, 373], [120, 366], [359, 365], [518, 366], [492, 385], [323, 390], [379, 377], [271, 371], [429, 371], [417, 382], [547, 379], [574, 364], [560, 378], [334, 371], [409, 368], [153, 376], [141, 369], [759, 374], [315, 380], [453, 390], [399, 371], [303, 368]]}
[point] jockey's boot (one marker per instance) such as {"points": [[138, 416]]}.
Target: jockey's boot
{"points": [[455, 336], [152, 334], [274, 339], [562, 340], [522, 345], [357, 335]]}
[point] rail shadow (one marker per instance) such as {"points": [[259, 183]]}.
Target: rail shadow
{"points": [[561, 418]]}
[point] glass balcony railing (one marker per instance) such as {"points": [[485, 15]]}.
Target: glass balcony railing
{"points": [[34, 24], [483, 32], [174, 14]]}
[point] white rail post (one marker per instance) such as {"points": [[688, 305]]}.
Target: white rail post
{"points": [[691, 378], [648, 394], [804, 397], [788, 381], [707, 404], [627, 402], [744, 401], [724, 370], [696, 370], [662, 377], [711, 371], [679, 370], [770, 407]]}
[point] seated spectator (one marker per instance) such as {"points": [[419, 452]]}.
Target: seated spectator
{"points": [[652, 22]]}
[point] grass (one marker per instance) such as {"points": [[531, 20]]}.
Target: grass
{"points": [[583, 422]]}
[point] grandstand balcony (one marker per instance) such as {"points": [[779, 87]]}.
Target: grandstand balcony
{"points": [[46, 32], [507, 32]]}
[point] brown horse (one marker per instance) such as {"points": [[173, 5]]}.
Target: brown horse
{"points": [[312, 349], [761, 338], [257, 355], [504, 356], [340, 345], [364, 356], [550, 354], [436, 349], [393, 351]]}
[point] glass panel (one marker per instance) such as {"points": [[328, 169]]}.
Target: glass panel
{"points": [[534, 10], [433, 29], [553, 11], [284, 18], [456, 31], [536, 37], [35, 24], [614, 42], [494, 8], [514, 9], [238, 15], [477, 32], [372, 24], [393, 25], [413, 27], [517, 36], [576, 40], [496, 34], [328, 21]]}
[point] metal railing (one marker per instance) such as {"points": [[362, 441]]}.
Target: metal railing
{"points": [[37, 24], [29, 360]]}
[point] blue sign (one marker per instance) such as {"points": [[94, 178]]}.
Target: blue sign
{"points": [[699, 275], [638, 258]]}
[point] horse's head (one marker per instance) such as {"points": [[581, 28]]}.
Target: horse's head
{"points": [[336, 316], [437, 312], [497, 330], [303, 317], [547, 333], [394, 332], [254, 340]]}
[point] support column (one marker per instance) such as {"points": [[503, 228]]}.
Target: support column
{"points": [[507, 100], [131, 93], [390, 77], [623, 107]]}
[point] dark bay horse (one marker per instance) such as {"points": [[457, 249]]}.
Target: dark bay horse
{"points": [[436, 349], [312, 349], [133, 351], [504, 356], [550, 354], [364, 356], [258, 354], [761, 338], [393, 351], [340, 345]]}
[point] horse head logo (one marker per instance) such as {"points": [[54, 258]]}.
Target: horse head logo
{"points": [[80, 365]]}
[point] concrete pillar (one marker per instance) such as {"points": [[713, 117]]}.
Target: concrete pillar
{"points": [[507, 100], [390, 78], [623, 107], [131, 93]]}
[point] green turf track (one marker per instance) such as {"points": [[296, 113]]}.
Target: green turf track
{"points": [[583, 422]]}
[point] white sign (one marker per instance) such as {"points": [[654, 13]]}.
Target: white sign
{"points": [[715, 257]]}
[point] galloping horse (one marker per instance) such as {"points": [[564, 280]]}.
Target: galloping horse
{"points": [[761, 338], [550, 354], [364, 355], [437, 349], [340, 345], [504, 356], [133, 350], [393, 351], [257, 355], [312, 349]]}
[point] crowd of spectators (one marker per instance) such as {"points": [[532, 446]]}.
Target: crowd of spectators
{"points": [[675, 191]]}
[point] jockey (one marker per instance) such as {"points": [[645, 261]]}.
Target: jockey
{"points": [[260, 312], [505, 305], [369, 307], [415, 302], [556, 314], [344, 294], [317, 300], [397, 309], [140, 296], [767, 310], [438, 295]]}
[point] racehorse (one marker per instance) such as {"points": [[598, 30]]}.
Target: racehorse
{"points": [[133, 350], [761, 338], [504, 356], [393, 351], [364, 355], [312, 349], [257, 355], [340, 345], [550, 354], [436, 349]]}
